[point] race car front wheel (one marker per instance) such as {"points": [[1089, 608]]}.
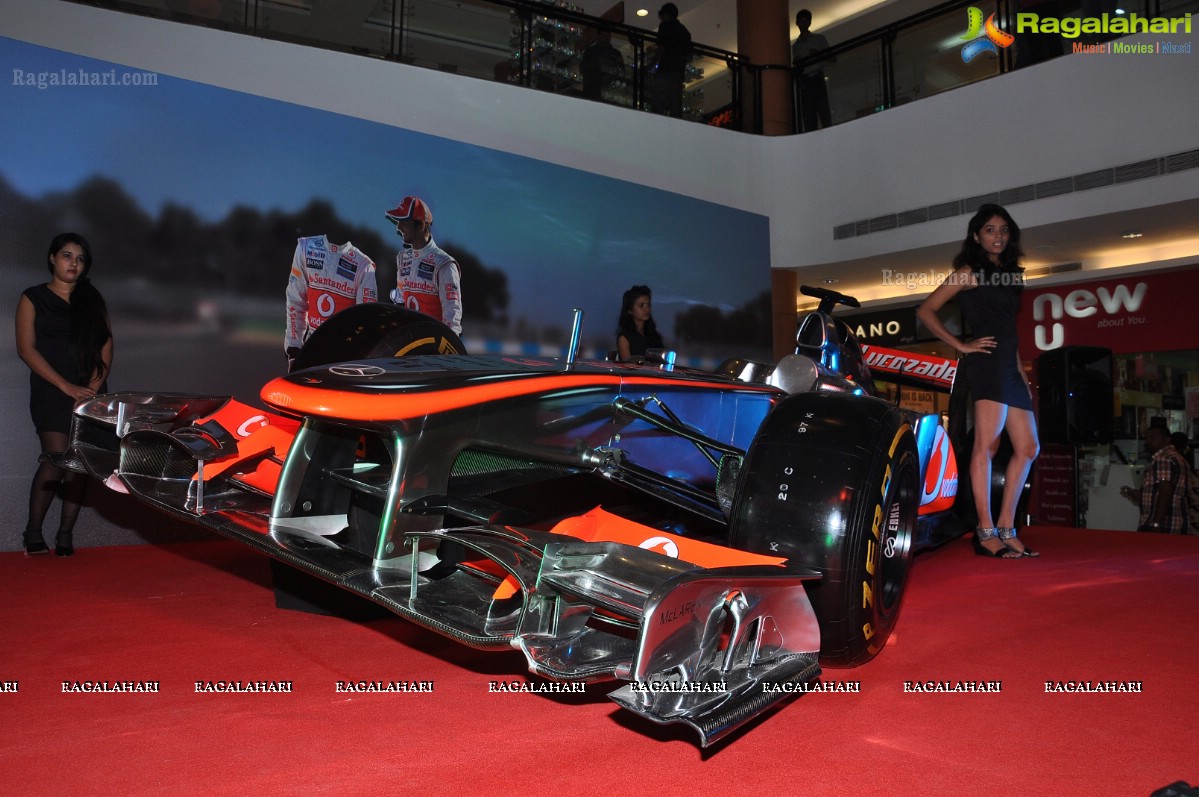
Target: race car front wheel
{"points": [[832, 483], [366, 331]]}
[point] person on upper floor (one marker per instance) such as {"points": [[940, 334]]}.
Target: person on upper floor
{"points": [[665, 86]]}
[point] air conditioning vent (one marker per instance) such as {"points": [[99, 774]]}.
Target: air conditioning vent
{"points": [[1137, 171], [844, 231], [1062, 185], [945, 210], [1100, 178], [883, 223], [971, 204], [1084, 182], [1011, 196], [1181, 161]]}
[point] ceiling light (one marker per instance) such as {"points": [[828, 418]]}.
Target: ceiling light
{"points": [[643, 12], [830, 281], [1132, 234]]}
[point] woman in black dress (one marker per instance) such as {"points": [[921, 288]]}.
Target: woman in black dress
{"points": [[987, 281], [63, 335], [635, 331]]}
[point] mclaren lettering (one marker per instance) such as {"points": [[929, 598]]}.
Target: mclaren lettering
{"points": [[677, 613]]}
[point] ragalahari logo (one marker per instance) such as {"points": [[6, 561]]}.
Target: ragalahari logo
{"points": [[983, 38]]}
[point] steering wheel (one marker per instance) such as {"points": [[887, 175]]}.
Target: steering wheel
{"points": [[828, 299]]}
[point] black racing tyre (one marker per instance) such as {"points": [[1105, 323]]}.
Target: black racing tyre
{"points": [[372, 330], [832, 483]]}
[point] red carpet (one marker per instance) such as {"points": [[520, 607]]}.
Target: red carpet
{"points": [[1098, 606]]}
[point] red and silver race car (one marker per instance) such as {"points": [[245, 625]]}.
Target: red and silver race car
{"points": [[702, 537]]}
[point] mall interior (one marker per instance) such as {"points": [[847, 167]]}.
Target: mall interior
{"points": [[1093, 150], [1093, 153]]}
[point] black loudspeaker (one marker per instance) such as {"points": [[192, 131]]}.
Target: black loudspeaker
{"points": [[1074, 386]]}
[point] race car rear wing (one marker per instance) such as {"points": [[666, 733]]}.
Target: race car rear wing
{"points": [[926, 371]]}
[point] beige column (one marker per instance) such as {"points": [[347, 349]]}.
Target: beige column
{"points": [[784, 287], [764, 37]]}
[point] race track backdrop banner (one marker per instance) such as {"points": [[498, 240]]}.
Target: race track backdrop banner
{"points": [[193, 196]]}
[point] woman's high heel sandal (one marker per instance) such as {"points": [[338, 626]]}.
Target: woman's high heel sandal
{"points": [[34, 543], [1010, 534], [982, 550], [64, 544]]}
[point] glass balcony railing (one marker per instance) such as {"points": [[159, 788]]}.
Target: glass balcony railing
{"points": [[553, 46], [925, 53], [550, 46]]}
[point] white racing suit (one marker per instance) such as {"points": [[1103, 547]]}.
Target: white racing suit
{"points": [[325, 279], [428, 280]]}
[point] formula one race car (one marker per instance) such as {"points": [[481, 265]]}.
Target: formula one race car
{"points": [[708, 538]]}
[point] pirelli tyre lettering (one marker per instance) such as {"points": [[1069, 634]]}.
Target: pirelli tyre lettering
{"points": [[832, 483]]}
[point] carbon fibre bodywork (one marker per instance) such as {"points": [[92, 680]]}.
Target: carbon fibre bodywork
{"points": [[402, 511], [749, 526]]}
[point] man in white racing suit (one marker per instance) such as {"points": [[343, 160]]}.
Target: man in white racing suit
{"points": [[427, 279], [325, 279]]}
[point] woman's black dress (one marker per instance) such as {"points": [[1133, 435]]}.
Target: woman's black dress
{"points": [[49, 406], [638, 343], [990, 310]]}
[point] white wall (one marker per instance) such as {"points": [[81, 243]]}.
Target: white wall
{"points": [[1071, 115], [690, 159]]}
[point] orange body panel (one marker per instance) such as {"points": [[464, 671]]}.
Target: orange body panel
{"points": [[600, 526], [410, 404]]}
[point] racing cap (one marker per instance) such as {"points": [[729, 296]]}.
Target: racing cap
{"points": [[410, 207]]}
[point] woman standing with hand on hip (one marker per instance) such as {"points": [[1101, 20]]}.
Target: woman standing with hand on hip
{"points": [[63, 335], [987, 282]]}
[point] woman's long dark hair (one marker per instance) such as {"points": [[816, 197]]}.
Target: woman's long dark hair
{"points": [[89, 315], [972, 253], [626, 326]]}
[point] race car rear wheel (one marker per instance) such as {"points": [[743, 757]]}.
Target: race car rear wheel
{"points": [[832, 483], [365, 331]]}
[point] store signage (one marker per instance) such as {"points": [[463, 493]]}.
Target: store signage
{"points": [[887, 328], [1143, 312], [1054, 498], [1119, 305]]}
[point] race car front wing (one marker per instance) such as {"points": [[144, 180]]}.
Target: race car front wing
{"points": [[700, 644]]}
